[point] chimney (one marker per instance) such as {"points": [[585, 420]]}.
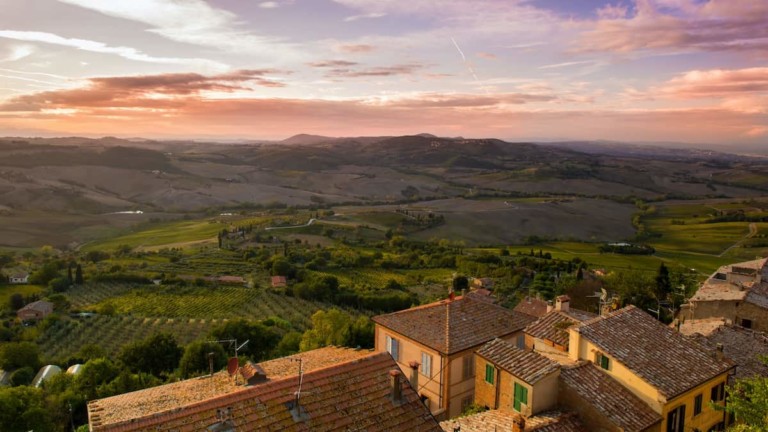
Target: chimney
{"points": [[563, 303], [396, 390], [452, 295], [414, 374], [211, 355], [463, 292], [550, 308], [719, 351], [518, 423]]}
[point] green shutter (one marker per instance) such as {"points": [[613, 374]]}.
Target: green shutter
{"points": [[489, 373], [604, 362], [520, 397]]}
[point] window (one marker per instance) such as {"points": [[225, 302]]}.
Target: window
{"points": [[393, 348], [697, 404], [468, 367], [603, 361], [521, 397], [746, 323], [521, 342], [426, 364], [676, 419], [490, 373], [718, 393]]}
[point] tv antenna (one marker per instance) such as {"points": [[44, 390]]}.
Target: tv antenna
{"points": [[297, 411], [232, 342], [602, 297]]}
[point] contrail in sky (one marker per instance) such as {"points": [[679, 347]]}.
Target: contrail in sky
{"points": [[464, 59]]}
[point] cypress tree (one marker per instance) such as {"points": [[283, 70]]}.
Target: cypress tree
{"points": [[79, 275]]}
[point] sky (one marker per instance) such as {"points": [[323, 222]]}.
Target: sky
{"points": [[629, 70]]}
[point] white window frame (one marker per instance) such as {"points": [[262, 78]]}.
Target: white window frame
{"points": [[393, 347], [426, 364]]}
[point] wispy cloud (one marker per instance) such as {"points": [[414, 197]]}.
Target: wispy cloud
{"points": [[190, 21], [99, 47], [378, 71], [365, 16], [566, 64], [332, 63], [16, 52], [356, 48]]}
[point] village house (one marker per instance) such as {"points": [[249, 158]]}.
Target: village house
{"points": [[339, 389], [509, 421], [439, 339], [550, 333], [736, 292], [279, 282], [35, 311], [532, 306], [18, 278], [675, 376]]}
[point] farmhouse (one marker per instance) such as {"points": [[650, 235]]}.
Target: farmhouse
{"points": [[35, 311], [736, 292], [437, 341], [279, 282], [339, 389], [18, 278]]}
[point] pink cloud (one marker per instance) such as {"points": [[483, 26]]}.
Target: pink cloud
{"points": [[679, 25], [356, 48]]}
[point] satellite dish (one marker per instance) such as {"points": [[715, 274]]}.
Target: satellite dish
{"points": [[233, 365]]}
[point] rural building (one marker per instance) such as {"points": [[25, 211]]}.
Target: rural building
{"points": [[35, 311], [279, 282], [481, 283], [532, 306], [674, 375], [508, 421], [550, 332], [340, 389], [736, 292], [231, 280], [18, 278], [602, 403], [44, 374], [743, 346], [439, 339], [510, 378], [5, 378]]}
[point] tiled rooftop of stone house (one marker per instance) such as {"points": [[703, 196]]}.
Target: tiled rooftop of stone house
{"points": [[501, 420], [635, 339], [355, 395], [532, 306], [526, 365], [553, 326], [450, 326], [606, 395], [743, 346], [173, 396]]}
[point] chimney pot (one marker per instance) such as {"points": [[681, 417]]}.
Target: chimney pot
{"points": [[395, 386], [563, 303], [719, 351], [414, 365], [550, 307]]}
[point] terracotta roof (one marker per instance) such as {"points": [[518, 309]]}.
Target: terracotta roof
{"points": [[635, 339], [350, 396], [279, 281], [553, 325], [532, 306], [39, 306], [596, 388], [482, 294], [758, 295], [450, 326], [743, 346], [526, 365], [700, 326], [501, 420], [176, 395]]}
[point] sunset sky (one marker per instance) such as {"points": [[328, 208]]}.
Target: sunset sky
{"points": [[644, 70]]}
